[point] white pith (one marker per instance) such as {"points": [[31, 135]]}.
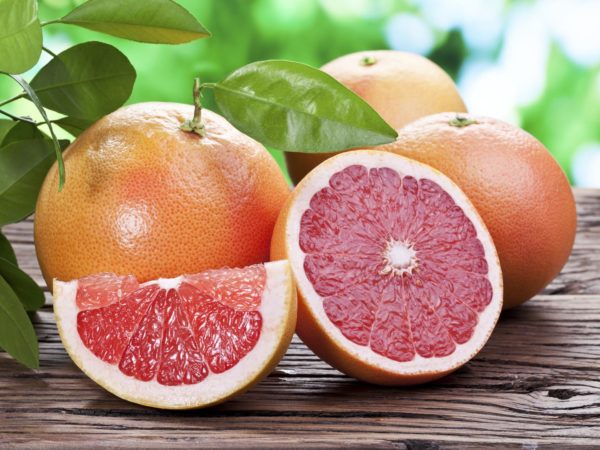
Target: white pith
{"points": [[166, 283], [276, 306], [399, 257], [317, 180]]}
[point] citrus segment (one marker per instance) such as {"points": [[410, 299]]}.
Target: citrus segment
{"points": [[396, 271], [193, 331], [107, 329], [103, 289]]}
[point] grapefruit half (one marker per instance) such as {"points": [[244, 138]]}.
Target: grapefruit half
{"points": [[180, 343], [398, 278]]}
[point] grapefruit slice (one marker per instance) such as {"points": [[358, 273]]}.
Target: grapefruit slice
{"points": [[186, 342], [398, 279]]}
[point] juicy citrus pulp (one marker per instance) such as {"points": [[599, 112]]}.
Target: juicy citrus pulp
{"points": [[398, 278], [184, 342]]}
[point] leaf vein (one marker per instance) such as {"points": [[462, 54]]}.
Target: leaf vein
{"points": [[20, 30], [87, 80], [133, 25], [283, 106]]}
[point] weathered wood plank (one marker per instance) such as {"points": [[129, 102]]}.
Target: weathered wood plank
{"points": [[536, 382]]}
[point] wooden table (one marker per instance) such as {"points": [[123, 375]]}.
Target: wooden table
{"points": [[536, 381]]}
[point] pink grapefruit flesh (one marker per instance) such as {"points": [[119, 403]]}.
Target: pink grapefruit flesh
{"points": [[185, 342], [396, 271]]}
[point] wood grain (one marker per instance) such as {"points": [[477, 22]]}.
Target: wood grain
{"points": [[535, 383]]}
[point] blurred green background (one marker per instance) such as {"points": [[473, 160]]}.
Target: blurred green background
{"points": [[532, 63]]}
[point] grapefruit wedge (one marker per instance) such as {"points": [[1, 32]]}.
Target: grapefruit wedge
{"points": [[180, 343], [398, 279]]}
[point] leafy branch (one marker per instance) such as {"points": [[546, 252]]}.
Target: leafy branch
{"points": [[12, 99]]}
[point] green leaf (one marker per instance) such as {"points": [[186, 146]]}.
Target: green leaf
{"points": [[17, 335], [5, 127], [6, 250], [57, 148], [23, 167], [20, 35], [294, 107], [154, 21], [86, 81], [73, 125], [26, 289]]}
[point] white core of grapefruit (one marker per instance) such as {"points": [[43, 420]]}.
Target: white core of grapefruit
{"points": [[400, 256], [319, 179], [277, 304]]}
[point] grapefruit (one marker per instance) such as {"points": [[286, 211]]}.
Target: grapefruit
{"points": [[143, 197], [186, 342], [516, 185], [400, 86], [398, 278]]}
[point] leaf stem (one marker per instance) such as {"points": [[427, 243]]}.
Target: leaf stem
{"points": [[195, 125], [49, 22], [461, 121], [9, 115], [50, 52], [13, 117], [368, 60], [10, 100], [39, 124]]}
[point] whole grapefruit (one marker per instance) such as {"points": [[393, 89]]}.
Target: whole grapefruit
{"points": [[519, 189], [144, 198], [400, 86]]}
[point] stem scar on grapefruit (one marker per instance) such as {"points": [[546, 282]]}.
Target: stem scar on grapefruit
{"points": [[144, 197], [398, 278], [179, 343], [400, 86]]}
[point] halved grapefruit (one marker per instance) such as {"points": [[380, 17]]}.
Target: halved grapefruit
{"points": [[398, 278], [186, 342]]}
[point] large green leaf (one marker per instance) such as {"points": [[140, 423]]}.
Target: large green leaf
{"points": [[155, 21], [23, 167], [294, 107], [86, 81], [17, 335], [27, 290], [6, 250], [20, 35], [73, 125]]}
